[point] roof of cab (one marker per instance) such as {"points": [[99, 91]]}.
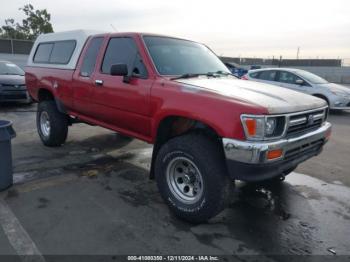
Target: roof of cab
{"points": [[80, 36]]}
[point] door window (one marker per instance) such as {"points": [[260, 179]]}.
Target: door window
{"points": [[123, 50], [254, 75], [269, 75], [287, 77], [91, 54]]}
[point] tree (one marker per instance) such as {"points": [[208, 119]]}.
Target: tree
{"points": [[9, 30], [36, 22]]}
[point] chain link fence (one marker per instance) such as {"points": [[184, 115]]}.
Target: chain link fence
{"points": [[285, 62], [14, 46]]}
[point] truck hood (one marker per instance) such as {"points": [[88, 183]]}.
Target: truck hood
{"points": [[276, 100]]}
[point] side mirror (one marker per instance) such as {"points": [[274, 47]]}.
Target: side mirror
{"points": [[299, 82], [119, 70]]}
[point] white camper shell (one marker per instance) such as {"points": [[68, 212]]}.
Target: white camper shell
{"points": [[59, 50]]}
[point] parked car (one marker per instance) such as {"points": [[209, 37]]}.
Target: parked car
{"points": [[12, 83], [236, 69], [252, 67], [208, 127], [336, 96]]}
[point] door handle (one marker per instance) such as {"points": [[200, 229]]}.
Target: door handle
{"points": [[99, 82]]}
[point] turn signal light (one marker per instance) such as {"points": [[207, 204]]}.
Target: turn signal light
{"points": [[273, 154], [328, 134], [251, 126]]}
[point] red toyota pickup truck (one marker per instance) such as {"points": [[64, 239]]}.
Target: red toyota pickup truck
{"points": [[208, 127]]}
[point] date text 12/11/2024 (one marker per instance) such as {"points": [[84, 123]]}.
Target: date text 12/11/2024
{"points": [[173, 258]]}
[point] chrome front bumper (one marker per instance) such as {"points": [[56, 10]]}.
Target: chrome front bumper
{"points": [[251, 152]]}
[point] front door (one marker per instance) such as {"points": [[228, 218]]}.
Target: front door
{"points": [[289, 80], [268, 76], [119, 104]]}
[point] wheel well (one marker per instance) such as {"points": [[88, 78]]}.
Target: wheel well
{"points": [[173, 126], [322, 97], [44, 94]]}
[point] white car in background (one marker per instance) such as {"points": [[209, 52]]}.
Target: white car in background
{"points": [[337, 96]]}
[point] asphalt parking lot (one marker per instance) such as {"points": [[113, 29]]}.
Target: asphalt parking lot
{"points": [[92, 196]]}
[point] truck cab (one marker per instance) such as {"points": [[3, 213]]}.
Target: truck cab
{"points": [[208, 127]]}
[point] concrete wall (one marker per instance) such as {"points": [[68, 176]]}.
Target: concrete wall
{"points": [[20, 60]]}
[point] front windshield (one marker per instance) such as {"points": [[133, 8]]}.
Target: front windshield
{"points": [[314, 79], [178, 57], [7, 68]]}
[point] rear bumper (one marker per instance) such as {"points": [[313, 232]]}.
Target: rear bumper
{"points": [[247, 160], [14, 96]]}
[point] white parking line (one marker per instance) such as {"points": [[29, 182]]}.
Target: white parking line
{"points": [[17, 236]]}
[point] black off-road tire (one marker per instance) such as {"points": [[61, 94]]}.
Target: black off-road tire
{"points": [[58, 124], [208, 156]]}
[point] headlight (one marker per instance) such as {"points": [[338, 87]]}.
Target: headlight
{"points": [[263, 127], [270, 126]]}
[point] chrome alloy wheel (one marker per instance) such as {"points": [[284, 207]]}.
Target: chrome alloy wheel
{"points": [[45, 124], [184, 180]]}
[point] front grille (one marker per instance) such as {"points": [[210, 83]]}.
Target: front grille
{"points": [[305, 149], [13, 96], [299, 124], [13, 87]]}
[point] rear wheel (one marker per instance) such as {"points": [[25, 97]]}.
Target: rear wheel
{"points": [[191, 176], [52, 125]]}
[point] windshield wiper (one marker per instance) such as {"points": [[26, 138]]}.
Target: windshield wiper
{"points": [[209, 74], [219, 73], [186, 76]]}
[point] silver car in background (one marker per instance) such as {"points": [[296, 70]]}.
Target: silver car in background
{"points": [[337, 96], [12, 84]]}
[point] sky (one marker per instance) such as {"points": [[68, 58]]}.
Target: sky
{"points": [[245, 28]]}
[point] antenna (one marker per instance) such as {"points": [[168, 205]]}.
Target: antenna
{"points": [[298, 50], [114, 28]]}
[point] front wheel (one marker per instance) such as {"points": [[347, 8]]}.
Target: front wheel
{"points": [[191, 176], [52, 125]]}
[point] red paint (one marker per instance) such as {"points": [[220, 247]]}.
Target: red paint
{"points": [[137, 108], [245, 77]]}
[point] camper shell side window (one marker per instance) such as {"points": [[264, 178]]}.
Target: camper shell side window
{"points": [[55, 52]]}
